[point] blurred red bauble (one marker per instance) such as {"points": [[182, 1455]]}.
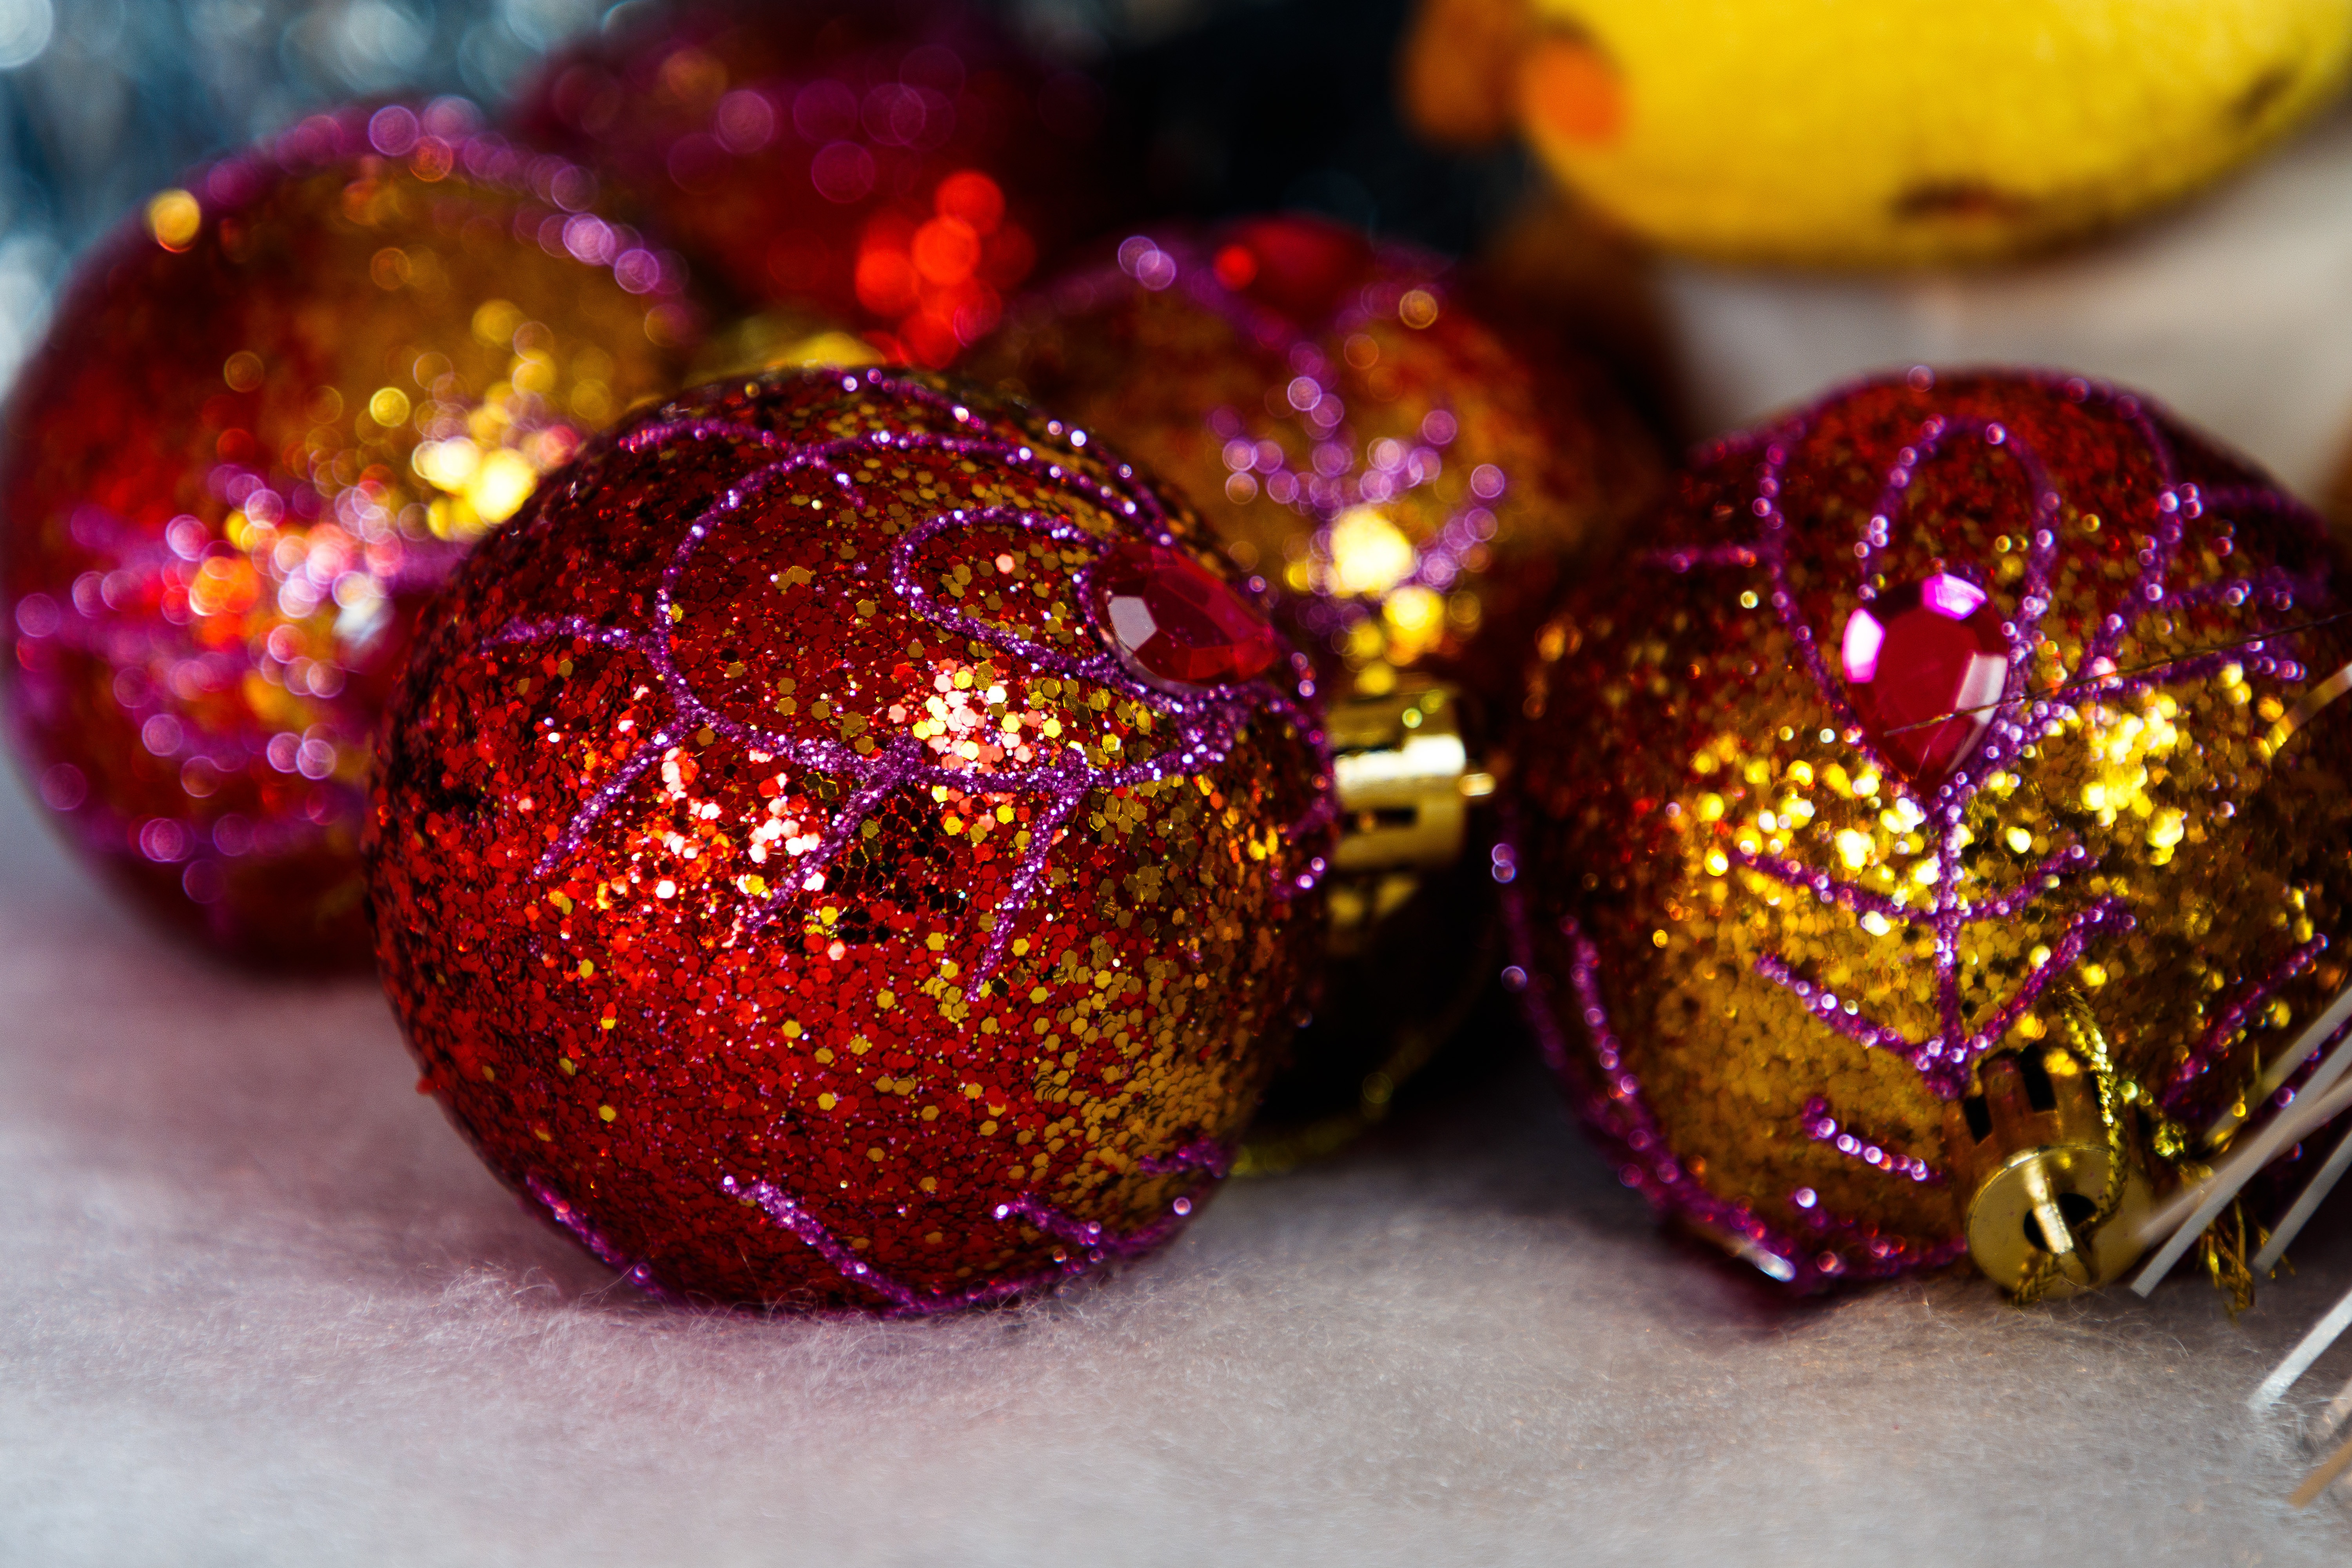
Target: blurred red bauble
{"points": [[898, 164], [847, 845], [267, 420]]}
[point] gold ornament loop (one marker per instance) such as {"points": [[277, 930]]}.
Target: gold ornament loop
{"points": [[2088, 1045]]}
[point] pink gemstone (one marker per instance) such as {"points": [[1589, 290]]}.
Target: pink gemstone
{"points": [[1174, 621], [1925, 665]]}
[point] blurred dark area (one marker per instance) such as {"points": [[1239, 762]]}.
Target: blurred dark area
{"points": [[1223, 105], [1291, 104]]}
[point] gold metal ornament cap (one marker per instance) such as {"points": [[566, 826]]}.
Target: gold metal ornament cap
{"points": [[1412, 946], [2057, 1190]]}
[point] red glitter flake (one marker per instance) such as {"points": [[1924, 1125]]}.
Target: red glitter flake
{"points": [[781, 879]]}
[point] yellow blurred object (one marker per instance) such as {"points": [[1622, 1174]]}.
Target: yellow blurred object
{"points": [[779, 338], [1847, 132]]}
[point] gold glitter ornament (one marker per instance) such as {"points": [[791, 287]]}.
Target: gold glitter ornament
{"points": [[1412, 482], [270, 418], [1949, 778]]}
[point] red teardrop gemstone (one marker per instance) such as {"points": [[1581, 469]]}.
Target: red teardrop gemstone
{"points": [[1174, 621], [1924, 666]]}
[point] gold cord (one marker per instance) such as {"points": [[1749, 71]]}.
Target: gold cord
{"points": [[2087, 1044], [2224, 1248]]}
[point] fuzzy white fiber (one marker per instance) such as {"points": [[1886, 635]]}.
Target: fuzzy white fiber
{"points": [[260, 1305]]}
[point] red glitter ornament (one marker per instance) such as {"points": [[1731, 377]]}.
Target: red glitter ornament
{"points": [[267, 420], [898, 164], [1953, 766], [783, 880]]}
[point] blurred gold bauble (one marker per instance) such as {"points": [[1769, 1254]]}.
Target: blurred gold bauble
{"points": [[1355, 434]]}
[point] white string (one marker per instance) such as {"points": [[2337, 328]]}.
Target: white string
{"points": [[2314, 1192], [2209, 1197], [2279, 1071], [2298, 1362]]}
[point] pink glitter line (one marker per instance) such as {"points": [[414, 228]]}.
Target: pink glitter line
{"points": [[2001, 906], [2211, 1042], [1822, 1126], [1855, 896], [1824, 1005], [1943, 1058], [1821, 884], [1094, 1246], [1207, 725], [1933, 432], [636, 1273]]}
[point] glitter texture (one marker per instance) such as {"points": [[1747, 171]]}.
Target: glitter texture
{"points": [[269, 420], [1764, 957], [898, 164], [1351, 428], [1379, 454], [783, 880]]}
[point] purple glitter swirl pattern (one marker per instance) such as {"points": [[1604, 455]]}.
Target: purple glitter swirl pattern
{"points": [[1207, 723], [1613, 1099], [1087, 1247], [1944, 1058], [1821, 1124]]}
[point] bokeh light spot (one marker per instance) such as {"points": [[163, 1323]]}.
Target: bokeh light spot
{"points": [[173, 217]]}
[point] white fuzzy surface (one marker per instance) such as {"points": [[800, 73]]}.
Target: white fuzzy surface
{"points": [[261, 1307]]}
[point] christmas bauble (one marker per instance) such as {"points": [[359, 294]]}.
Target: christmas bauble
{"points": [[1951, 777], [1351, 428], [898, 166], [850, 846], [268, 419], [1886, 138], [1363, 438]]}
